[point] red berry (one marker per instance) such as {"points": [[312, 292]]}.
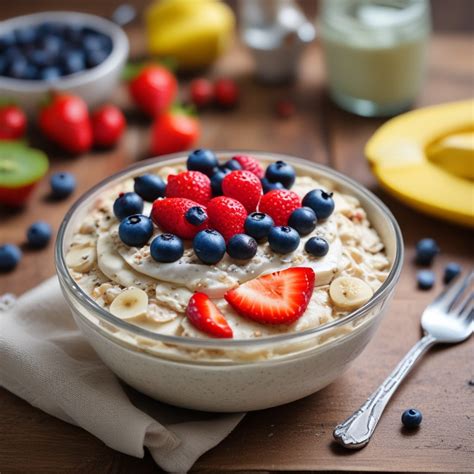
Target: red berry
{"points": [[192, 185], [279, 204], [278, 298], [202, 92], [12, 122], [108, 123], [285, 108], [243, 186], [204, 315], [169, 215], [226, 215], [250, 164], [226, 92]]}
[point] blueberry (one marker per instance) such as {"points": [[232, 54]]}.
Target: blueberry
{"points": [[25, 36], [52, 44], [3, 65], [73, 61], [320, 202], [281, 172], [283, 239], [196, 215], [96, 57], [149, 187], [135, 230], [124, 14], [267, 186], [216, 180], [317, 246], [50, 28], [258, 225], [49, 73], [7, 40], [38, 235], [95, 41], [40, 57], [62, 185], [451, 271], [127, 204], [303, 220], [10, 256], [202, 160], [232, 165], [209, 246], [242, 247], [412, 418], [426, 251], [18, 68], [425, 279], [73, 33], [166, 248]]}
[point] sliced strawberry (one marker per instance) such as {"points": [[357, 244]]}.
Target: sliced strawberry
{"points": [[279, 204], [192, 185], [226, 215], [278, 298], [245, 187], [204, 315], [249, 163]]}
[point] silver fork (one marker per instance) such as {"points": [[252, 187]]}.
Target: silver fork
{"points": [[449, 319]]}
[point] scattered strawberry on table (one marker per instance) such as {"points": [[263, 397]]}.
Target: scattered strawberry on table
{"points": [[12, 122], [108, 124]]}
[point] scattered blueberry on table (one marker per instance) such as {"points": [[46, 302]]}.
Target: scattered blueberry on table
{"points": [[321, 202], [166, 248], [149, 187], [39, 234], [10, 256], [425, 279], [303, 220], [209, 246], [283, 239], [451, 271], [62, 184], [135, 230], [317, 246], [242, 247], [127, 204], [412, 418], [258, 225], [426, 251]]}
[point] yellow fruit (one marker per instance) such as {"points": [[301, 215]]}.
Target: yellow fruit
{"points": [[192, 32], [425, 158]]}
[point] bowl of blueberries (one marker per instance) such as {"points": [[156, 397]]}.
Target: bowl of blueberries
{"points": [[65, 51]]}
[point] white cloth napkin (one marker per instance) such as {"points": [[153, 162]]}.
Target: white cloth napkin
{"points": [[45, 360]]}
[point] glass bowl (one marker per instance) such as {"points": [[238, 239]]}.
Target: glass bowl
{"points": [[237, 374]]}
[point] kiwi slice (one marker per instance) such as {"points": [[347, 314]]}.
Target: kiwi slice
{"points": [[20, 165]]}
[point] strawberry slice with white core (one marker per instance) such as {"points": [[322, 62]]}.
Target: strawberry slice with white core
{"points": [[278, 298], [205, 316]]}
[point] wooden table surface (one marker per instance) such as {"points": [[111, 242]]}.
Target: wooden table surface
{"points": [[297, 436]]}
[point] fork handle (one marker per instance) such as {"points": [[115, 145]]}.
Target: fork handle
{"points": [[356, 431]]}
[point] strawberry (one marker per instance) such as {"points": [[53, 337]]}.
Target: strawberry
{"points": [[226, 92], [201, 91], [204, 315], [12, 122], [153, 89], [250, 164], [243, 186], [108, 123], [278, 298], [65, 121], [279, 204], [226, 215], [192, 185], [169, 215]]}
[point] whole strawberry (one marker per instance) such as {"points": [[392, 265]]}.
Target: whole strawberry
{"points": [[243, 186], [65, 121], [12, 122], [169, 215], [279, 204], [249, 163], [192, 185], [108, 123], [226, 215]]}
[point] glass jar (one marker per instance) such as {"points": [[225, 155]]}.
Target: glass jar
{"points": [[375, 53]]}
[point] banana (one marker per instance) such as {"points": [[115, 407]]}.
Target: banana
{"points": [[349, 292], [129, 304], [81, 258]]}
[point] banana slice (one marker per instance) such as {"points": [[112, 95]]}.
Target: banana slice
{"points": [[129, 304], [81, 258], [349, 292]]}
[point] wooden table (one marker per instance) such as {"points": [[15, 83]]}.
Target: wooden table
{"points": [[296, 436]]}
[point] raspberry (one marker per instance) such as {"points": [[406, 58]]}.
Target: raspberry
{"points": [[250, 164], [226, 215], [243, 186], [192, 185], [279, 204]]}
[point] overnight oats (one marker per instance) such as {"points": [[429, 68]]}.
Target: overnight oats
{"points": [[240, 248]]}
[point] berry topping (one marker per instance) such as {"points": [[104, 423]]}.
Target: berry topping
{"points": [[192, 185], [412, 418], [258, 225], [281, 172], [226, 215], [451, 271], [149, 187], [136, 230], [232, 165], [425, 279], [317, 246], [62, 185], [202, 160], [278, 298], [267, 186], [303, 220], [243, 186], [10, 256], [283, 239], [38, 235], [166, 248], [209, 246], [196, 215], [127, 204], [426, 251], [242, 247], [250, 164], [216, 180], [320, 202], [204, 315], [169, 215], [279, 205]]}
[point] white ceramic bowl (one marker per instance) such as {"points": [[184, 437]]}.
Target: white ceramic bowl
{"points": [[94, 85], [230, 375]]}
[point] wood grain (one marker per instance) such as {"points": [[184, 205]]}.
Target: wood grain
{"points": [[296, 436]]}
